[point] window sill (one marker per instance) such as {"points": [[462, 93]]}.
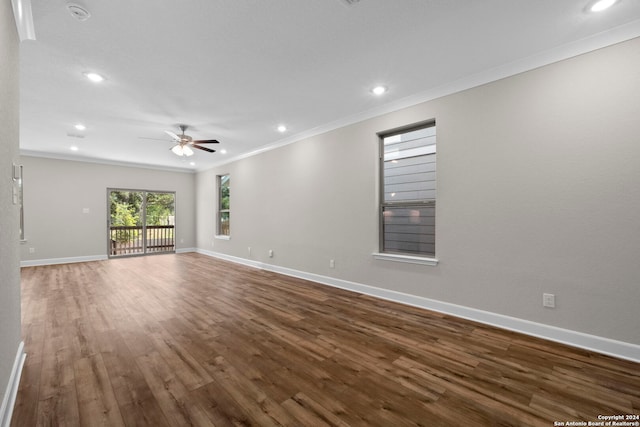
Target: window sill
{"points": [[406, 259], [222, 237]]}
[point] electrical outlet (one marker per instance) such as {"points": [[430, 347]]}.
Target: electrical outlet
{"points": [[249, 250], [332, 263], [549, 300], [270, 253], [32, 250]]}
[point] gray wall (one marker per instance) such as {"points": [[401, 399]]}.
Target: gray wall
{"points": [[538, 191], [57, 191], [9, 223]]}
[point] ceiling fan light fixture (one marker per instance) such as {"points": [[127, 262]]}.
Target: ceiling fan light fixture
{"points": [[185, 143]]}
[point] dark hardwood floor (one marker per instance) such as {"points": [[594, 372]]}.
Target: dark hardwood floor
{"points": [[181, 340]]}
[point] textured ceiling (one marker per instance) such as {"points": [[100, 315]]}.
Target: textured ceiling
{"points": [[235, 69]]}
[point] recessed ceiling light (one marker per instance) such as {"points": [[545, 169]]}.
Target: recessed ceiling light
{"points": [[379, 90], [94, 77], [192, 163], [73, 148], [223, 151], [601, 5], [282, 128], [80, 126]]}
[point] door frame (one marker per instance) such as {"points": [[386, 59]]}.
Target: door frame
{"points": [[143, 213]]}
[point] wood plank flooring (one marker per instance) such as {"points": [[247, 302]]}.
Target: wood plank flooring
{"points": [[187, 340]]}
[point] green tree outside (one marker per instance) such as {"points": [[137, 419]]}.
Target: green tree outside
{"points": [[160, 208]]}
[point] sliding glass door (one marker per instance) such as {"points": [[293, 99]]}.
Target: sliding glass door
{"points": [[140, 222]]}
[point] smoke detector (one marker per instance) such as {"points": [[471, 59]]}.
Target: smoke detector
{"points": [[78, 12]]}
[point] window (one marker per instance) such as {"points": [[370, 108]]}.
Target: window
{"points": [[224, 214], [408, 191]]}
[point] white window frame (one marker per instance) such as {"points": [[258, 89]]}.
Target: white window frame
{"points": [[384, 255], [220, 232]]}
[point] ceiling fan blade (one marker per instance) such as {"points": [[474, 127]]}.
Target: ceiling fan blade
{"points": [[207, 141], [204, 148], [172, 135]]}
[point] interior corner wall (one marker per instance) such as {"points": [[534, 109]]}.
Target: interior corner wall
{"points": [[538, 191], [9, 219], [58, 192]]}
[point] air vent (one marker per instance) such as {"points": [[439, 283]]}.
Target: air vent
{"points": [[75, 135], [350, 2], [78, 12]]}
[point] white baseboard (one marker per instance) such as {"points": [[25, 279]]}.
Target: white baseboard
{"points": [[9, 400], [69, 260], [619, 349], [232, 258], [185, 250]]}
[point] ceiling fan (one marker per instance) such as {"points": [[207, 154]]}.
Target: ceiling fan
{"points": [[184, 143]]}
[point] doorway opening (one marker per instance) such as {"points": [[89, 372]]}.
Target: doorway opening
{"points": [[140, 222]]}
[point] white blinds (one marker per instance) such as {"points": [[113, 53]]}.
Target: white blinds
{"points": [[410, 166], [409, 192]]}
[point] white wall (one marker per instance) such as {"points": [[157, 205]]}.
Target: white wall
{"points": [[538, 191], [9, 223], [57, 191]]}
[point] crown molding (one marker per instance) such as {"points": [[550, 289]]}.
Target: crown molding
{"points": [[57, 156], [597, 41]]}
